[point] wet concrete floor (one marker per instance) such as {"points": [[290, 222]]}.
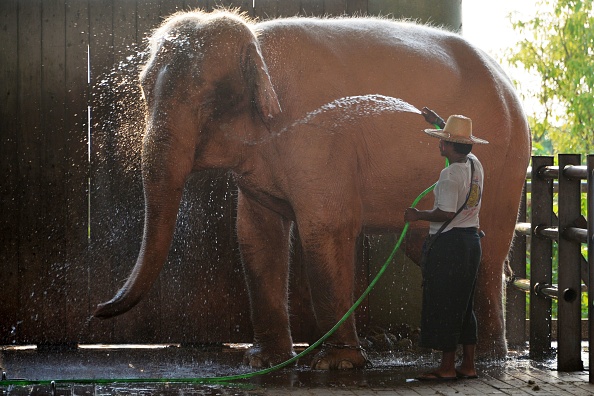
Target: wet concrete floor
{"points": [[178, 371]]}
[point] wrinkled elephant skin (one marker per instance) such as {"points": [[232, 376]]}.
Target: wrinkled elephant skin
{"points": [[222, 92]]}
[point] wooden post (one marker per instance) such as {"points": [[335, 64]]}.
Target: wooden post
{"points": [[540, 259], [569, 304]]}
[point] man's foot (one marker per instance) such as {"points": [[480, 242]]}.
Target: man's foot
{"points": [[461, 375]]}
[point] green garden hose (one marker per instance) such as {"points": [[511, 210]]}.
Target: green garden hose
{"points": [[236, 377], [228, 378]]}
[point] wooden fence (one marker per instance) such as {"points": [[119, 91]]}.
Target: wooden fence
{"points": [[71, 201], [570, 229]]}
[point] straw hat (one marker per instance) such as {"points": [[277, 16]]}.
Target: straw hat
{"points": [[458, 129]]}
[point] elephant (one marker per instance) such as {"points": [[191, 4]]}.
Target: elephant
{"points": [[287, 106]]}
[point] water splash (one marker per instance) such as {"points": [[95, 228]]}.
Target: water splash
{"points": [[365, 105], [118, 116], [346, 110]]}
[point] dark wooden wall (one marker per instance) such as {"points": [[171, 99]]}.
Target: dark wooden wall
{"points": [[71, 201]]}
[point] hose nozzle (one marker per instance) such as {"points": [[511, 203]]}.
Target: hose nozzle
{"points": [[432, 118]]}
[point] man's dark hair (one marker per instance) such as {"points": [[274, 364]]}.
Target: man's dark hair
{"points": [[462, 148]]}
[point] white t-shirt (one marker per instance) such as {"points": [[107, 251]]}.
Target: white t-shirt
{"points": [[451, 190]]}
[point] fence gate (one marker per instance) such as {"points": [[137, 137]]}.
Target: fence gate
{"points": [[570, 229]]}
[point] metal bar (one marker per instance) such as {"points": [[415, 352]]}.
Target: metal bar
{"points": [[541, 253], [522, 284], [570, 233], [567, 295], [574, 172], [548, 171], [570, 171], [548, 291], [575, 234], [583, 186], [569, 306], [524, 228], [550, 232]]}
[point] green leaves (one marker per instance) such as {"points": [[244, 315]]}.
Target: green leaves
{"points": [[558, 47]]}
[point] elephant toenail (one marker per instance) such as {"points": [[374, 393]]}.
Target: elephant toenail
{"points": [[345, 365], [256, 362], [322, 364]]}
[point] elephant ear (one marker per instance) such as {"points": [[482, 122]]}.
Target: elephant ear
{"points": [[259, 83]]}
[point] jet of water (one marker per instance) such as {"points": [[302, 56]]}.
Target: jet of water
{"points": [[350, 108]]}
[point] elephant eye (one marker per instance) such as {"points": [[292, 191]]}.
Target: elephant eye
{"points": [[225, 96]]}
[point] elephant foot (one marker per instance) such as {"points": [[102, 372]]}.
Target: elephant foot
{"points": [[340, 357], [258, 357]]}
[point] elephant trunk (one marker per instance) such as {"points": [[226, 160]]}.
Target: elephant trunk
{"points": [[165, 167], [153, 254]]}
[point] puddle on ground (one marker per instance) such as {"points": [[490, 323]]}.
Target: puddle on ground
{"points": [[177, 370]]}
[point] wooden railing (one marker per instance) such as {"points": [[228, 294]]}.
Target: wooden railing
{"points": [[570, 229]]}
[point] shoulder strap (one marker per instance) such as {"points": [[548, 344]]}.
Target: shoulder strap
{"points": [[445, 224]]}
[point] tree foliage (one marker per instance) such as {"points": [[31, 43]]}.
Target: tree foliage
{"points": [[558, 47]]}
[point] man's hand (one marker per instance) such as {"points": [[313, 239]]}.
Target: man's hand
{"points": [[411, 215], [432, 118], [435, 215]]}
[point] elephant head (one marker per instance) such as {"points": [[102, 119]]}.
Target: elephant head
{"points": [[205, 77]]}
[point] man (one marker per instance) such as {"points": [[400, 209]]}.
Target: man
{"points": [[454, 252]]}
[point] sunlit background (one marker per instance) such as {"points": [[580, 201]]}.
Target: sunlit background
{"points": [[487, 24]]}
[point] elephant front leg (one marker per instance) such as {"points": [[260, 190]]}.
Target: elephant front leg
{"points": [[264, 239], [330, 258]]}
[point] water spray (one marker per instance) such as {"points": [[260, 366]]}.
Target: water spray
{"points": [[432, 118]]}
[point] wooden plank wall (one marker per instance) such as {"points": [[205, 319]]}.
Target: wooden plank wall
{"points": [[71, 201], [44, 171]]}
